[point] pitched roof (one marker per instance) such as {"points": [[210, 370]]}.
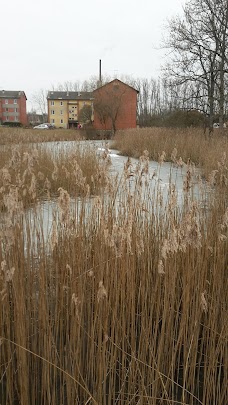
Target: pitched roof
{"points": [[69, 95], [12, 94], [116, 80]]}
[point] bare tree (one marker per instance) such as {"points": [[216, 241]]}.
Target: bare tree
{"points": [[85, 114], [39, 100], [108, 105], [198, 42]]}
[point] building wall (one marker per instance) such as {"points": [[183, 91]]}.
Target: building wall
{"points": [[0, 110], [60, 116], [121, 100], [13, 110], [65, 111], [22, 110]]}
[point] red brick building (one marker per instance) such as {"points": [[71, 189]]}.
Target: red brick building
{"points": [[115, 106], [13, 107]]}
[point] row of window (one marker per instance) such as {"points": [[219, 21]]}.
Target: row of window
{"points": [[53, 103], [6, 101], [61, 103], [53, 121], [7, 118], [15, 110], [61, 112], [61, 121], [53, 112]]}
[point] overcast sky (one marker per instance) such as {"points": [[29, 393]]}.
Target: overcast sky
{"points": [[47, 42]]}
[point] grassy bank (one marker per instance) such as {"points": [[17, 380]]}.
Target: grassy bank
{"points": [[189, 144], [121, 303], [30, 135]]}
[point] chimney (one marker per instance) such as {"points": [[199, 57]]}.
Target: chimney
{"points": [[100, 70], [99, 82]]}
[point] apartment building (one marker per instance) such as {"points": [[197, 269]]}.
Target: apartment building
{"points": [[64, 107], [115, 106], [13, 107]]}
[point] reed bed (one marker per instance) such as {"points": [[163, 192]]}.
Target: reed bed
{"points": [[123, 303], [189, 144], [30, 135], [31, 173]]}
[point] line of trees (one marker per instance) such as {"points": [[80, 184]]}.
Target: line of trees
{"points": [[198, 41], [192, 89]]}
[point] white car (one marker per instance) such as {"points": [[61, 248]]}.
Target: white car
{"points": [[217, 125], [41, 126]]}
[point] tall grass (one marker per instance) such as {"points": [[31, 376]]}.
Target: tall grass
{"points": [[31, 173], [189, 144], [30, 135], [125, 303]]}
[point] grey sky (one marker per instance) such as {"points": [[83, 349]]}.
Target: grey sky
{"points": [[52, 41]]}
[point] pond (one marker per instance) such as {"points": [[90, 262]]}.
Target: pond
{"points": [[157, 183]]}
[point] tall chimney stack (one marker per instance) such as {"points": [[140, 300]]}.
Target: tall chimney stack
{"points": [[100, 71]]}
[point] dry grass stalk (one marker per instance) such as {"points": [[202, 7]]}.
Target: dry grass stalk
{"points": [[179, 145], [85, 316], [30, 135], [34, 173]]}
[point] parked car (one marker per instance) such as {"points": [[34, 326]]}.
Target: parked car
{"points": [[41, 126], [50, 126], [217, 125]]}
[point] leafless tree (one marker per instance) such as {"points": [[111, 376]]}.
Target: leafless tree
{"points": [[39, 101], [198, 43], [85, 114], [108, 105]]}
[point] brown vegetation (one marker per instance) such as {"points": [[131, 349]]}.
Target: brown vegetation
{"points": [[30, 135], [33, 173], [124, 301], [190, 144]]}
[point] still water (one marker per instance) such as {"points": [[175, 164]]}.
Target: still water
{"points": [[159, 180]]}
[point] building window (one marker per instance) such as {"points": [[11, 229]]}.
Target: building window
{"points": [[15, 101], [52, 112], [61, 103], [52, 103], [15, 110], [7, 109], [61, 112], [15, 118], [7, 118], [84, 103], [52, 121], [6, 101], [61, 121]]}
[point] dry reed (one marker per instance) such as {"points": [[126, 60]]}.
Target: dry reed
{"points": [[30, 135], [125, 302], [189, 144], [35, 173]]}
